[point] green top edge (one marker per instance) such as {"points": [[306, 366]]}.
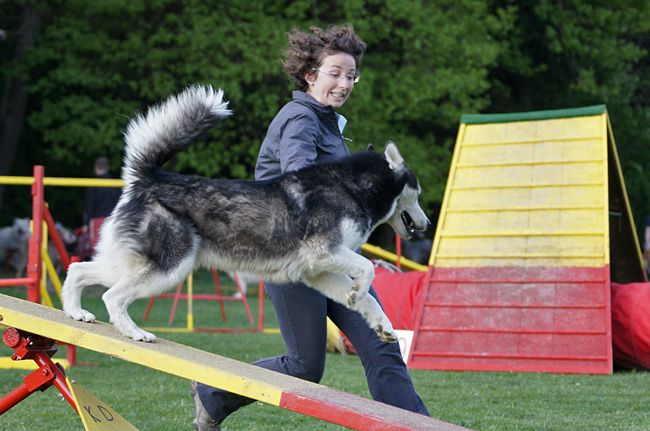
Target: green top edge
{"points": [[533, 115]]}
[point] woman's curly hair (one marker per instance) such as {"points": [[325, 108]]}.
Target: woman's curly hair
{"points": [[307, 49]]}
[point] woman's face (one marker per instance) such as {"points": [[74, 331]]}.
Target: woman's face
{"points": [[332, 83]]}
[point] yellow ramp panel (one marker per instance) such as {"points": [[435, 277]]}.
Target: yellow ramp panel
{"points": [[527, 192]]}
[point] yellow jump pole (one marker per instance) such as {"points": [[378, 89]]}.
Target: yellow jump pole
{"points": [[190, 303], [62, 181], [45, 296]]}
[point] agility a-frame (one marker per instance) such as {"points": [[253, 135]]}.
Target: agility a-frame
{"points": [[534, 225]]}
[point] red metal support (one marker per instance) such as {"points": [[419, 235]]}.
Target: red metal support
{"points": [[217, 285], [39, 349], [34, 258], [56, 237], [260, 310], [242, 295], [177, 297]]}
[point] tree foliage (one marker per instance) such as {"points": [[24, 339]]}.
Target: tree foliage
{"points": [[581, 54], [96, 64]]}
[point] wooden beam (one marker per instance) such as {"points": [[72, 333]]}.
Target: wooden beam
{"points": [[254, 382]]}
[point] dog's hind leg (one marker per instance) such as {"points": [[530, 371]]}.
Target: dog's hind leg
{"points": [[117, 300], [337, 288], [80, 275], [144, 285]]}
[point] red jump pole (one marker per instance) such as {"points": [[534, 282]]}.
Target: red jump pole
{"points": [[260, 316], [398, 251], [217, 285], [56, 238], [242, 296], [34, 257]]}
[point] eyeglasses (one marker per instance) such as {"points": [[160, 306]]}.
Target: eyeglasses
{"points": [[350, 77]]}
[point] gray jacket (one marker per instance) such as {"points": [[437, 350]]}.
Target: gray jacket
{"points": [[303, 133]]}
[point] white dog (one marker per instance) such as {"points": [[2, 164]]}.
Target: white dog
{"points": [[13, 245]]}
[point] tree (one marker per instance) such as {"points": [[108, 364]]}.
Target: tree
{"points": [[14, 97], [580, 54], [96, 64]]}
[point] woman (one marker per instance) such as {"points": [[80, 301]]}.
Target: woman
{"points": [[324, 65]]}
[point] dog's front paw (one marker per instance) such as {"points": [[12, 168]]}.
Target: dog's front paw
{"points": [[352, 298], [384, 335], [81, 315]]}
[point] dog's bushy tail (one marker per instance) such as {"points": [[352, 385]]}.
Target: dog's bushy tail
{"points": [[153, 138]]}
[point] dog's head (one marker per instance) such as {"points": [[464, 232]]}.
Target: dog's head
{"points": [[20, 229], [408, 216]]}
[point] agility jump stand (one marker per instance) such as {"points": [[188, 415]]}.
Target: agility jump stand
{"points": [[33, 278], [40, 215], [190, 296]]}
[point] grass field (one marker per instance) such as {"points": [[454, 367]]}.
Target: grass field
{"points": [[152, 400]]}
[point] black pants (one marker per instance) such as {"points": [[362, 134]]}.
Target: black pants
{"points": [[301, 313]]}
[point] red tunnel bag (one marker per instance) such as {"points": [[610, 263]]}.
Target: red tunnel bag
{"points": [[631, 325]]}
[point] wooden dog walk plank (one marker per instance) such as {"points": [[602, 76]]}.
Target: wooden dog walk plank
{"points": [[248, 380]]}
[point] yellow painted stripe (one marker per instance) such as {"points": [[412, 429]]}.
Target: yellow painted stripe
{"points": [[605, 191], [190, 302], [528, 163], [447, 196], [161, 355], [54, 277], [506, 208], [496, 143], [45, 295], [523, 232], [527, 186]]}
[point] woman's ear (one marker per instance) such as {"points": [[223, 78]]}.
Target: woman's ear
{"points": [[310, 77]]}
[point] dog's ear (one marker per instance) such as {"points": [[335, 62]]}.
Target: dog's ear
{"points": [[371, 147], [394, 158]]}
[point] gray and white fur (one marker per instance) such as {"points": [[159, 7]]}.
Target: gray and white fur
{"points": [[302, 226]]}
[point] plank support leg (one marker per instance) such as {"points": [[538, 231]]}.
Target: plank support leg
{"points": [[40, 350]]}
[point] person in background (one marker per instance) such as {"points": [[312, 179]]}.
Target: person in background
{"points": [[324, 64], [98, 203]]}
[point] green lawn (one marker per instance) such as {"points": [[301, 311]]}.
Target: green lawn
{"points": [[152, 400]]}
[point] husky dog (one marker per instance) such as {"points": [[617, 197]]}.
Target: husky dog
{"points": [[302, 226]]}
